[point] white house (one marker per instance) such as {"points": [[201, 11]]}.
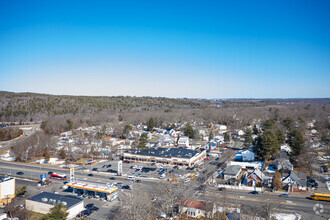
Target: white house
{"points": [[220, 127], [231, 172], [196, 208], [245, 156], [240, 132], [183, 142]]}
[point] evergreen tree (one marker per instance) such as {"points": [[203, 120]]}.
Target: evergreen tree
{"points": [[151, 124], [211, 135], [255, 130], [266, 145], [226, 137], [296, 141], [189, 131], [120, 118], [69, 124], [268, 124], [280, 136], [248, 136], [126, 131], [58, 212], [288, 123], [143, 140]]}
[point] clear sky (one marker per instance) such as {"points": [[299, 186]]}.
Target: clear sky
{"points": [[205, 49]]}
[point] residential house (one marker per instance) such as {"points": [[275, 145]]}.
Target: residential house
{"points": [[254, 178], [245, 156], [183, 142], [197, 208], [231, 172], [222, 128], [283, 164], [295, 181]]}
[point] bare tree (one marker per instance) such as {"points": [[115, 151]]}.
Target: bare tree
{"points": [[135, 205]]}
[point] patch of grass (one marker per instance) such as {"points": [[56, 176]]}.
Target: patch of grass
{"points": [[36, 216]]}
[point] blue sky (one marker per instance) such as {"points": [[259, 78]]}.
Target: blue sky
{"points": [[206, 49]]}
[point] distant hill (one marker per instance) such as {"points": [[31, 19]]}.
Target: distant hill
{"points": [[21, 106]]}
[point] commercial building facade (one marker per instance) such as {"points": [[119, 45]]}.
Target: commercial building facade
{"points": [[174, 156], [44, 201], [7, 189]]}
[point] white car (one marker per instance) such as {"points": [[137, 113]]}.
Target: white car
{"points": [[186, 180], [197, 174], [179, 167]]}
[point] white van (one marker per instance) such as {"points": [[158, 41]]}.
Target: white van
{"points": [[130, 178]]}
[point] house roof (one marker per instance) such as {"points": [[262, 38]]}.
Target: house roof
{"points": [[256, 172], [52, 199], [192, 203], [232, 170], [295, 177]]}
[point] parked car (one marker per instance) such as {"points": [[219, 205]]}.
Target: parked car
{"points": [[20, 173], [86, 212], [222, 189], [207, 158], [94, 208], [254, 193], [119, 184], [138, 181], [285, 195], [217, 158], [89, 205], [50, 172], [94, 169], [112, 178], [126, 187], [90, 174]]}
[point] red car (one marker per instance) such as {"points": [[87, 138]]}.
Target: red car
{"points": [[207, 158], [126, 161]]}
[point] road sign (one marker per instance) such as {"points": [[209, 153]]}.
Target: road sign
{"points": [[71, 175], [120, 167]]}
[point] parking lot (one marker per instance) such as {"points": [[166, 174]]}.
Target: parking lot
{"points": [[151, 171]]}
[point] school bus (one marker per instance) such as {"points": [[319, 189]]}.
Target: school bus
{"points": [[320, 196]]}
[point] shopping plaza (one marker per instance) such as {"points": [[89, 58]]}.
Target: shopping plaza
{"points": [[174, 156]]}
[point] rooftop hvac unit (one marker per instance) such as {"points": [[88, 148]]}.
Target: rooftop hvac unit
{"points": [[64, 203], [44, 199]]}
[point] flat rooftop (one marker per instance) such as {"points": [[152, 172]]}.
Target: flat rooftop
{"points": [[166, 152], [52, 199], [5, 178], [97, 187]]}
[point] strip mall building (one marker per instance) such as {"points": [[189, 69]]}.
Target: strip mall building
{"points": [[174, 156]]}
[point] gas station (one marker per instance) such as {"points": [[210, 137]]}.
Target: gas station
{"points": [[95, 189]]}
